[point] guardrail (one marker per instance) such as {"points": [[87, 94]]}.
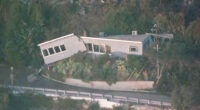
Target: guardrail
{"points": [[67, 93]]}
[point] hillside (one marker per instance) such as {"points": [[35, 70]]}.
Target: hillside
{"points": [[25, 23]]}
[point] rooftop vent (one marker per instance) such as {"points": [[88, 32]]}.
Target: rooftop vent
{"points": [[134, 33], [101, 34]]}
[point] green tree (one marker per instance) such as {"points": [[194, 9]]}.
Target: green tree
{"points": [[29, 101], [162, 22], [69, 104], [93, 106], [4, 96], [192, 33], [118, 21], [182, 98]]}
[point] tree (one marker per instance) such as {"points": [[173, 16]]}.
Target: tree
{"points": [[193, 33], [176, 23], [118, 21], [94, 106], [182, 98], [29, 101], [69, 104], [162, 22], [118, 108], [4, 96], [123, 108]]}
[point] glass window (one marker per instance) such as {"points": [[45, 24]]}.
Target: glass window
{"points": [[63, 47], [45, 52], [108, 49], [96, 48], [89, 46], [102, 49], [57, 49], [51, 51], [133, 49]]}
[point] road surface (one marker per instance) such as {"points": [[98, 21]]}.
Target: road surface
{"points": [[21, 75]]}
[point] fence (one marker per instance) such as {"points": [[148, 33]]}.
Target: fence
{"points": [[67, 93]]}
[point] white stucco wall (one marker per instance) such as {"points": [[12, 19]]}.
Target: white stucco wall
{"points": [[117, 46], [72, 44]]}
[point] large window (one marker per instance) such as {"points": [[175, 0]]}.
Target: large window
{"points": [[51, 51], [63, 47], [57, 49], [96, 48], [133, 49], [45, 52], [89, 46]]}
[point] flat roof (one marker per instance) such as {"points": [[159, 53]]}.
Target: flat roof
{"points": [[139, 38], [127, 38], [130, 38], [53, 40]]}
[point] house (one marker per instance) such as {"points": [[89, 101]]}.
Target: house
{"points": [[61, 48], [117, 45]]}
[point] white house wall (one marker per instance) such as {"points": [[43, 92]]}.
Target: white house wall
{"points": [[118, 47], [72, 44]]}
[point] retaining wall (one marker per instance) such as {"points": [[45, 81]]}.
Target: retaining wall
{"points": [[120, 85]]}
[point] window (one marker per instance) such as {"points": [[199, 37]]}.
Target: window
{"points": [[108, 49], [57, 49], [96, 48], [133, 49], [89, 46], [102, 49], [63, 47], [45, 52], [51, 51]]}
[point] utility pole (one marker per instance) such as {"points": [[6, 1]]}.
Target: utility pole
{"points": [[11, 75], [155, 29]]}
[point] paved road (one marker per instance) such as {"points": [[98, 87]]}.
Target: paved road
{"points": [[86, 95], [45, 83], [21, 80]]}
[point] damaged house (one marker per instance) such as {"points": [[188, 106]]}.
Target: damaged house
{"points": [[117, 45]]}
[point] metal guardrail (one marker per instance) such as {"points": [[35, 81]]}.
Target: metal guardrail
{"points": [[66, 93]]}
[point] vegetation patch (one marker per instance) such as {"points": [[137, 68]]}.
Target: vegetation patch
{"points": [[102, 68]]}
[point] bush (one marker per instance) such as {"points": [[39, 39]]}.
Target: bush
{"points": [[69, 104], [28, 101], [103, 68], [94, 106]]}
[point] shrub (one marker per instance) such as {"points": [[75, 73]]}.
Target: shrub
{"points": [[103, 68]]}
